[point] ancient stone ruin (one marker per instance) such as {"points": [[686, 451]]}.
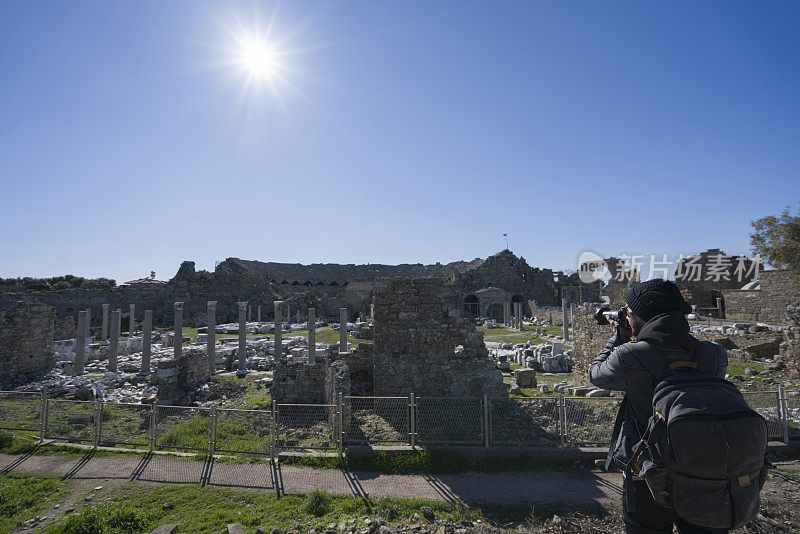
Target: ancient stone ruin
{"points": [[421, 347]]}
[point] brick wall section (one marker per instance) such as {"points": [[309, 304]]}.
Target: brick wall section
{"points": [[296, 382], [178, 379], [779, 289], [415, 346], [589, 339], [26, 333]]}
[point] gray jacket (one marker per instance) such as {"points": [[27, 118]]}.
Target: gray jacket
{"points": [[637, 368]]}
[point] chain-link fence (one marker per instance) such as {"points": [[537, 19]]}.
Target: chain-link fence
{"points": [[450, 420], [20, 411], [129, 425], [243, 431], [378, 420], [70, 420], [437, 421], [183, 428], [524, 422], [588, 421], [306, 426], [767, 403], [792, 417]]}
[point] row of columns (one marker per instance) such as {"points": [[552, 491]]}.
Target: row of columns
{"points": [[147, 325], [512, 315]]}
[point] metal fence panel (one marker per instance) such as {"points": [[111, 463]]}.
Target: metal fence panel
{"points": [[125, 424], [306, 426], [450, 420], [20, 411], [70, 420], [373, 420], [244, 431], [182, 427], [524, 422], [767, 403], [589, 421], [793, 414]]}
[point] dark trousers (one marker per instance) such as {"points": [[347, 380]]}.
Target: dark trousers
{"points": [[649, 517]]}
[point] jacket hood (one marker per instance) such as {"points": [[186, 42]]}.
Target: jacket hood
{"points": [[670, 331]]}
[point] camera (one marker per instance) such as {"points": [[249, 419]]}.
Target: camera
{"points": [[602, 315]]}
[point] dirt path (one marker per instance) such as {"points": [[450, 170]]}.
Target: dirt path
{"points": [[578, 486]]}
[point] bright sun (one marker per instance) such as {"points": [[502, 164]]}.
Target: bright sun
{"points": [[258, 59]]}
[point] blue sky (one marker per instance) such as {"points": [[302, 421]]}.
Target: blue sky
{"points": [[391, 132]]}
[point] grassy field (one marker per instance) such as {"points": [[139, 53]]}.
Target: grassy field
{"points": [[135, 508], [22, 498]]}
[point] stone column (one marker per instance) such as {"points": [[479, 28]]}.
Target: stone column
{"points": [[241, 352], [719, 307], [87, 331], [564, 319], [211, 335], [507, 315], [258, 316], [104, 333], [113, 347], [312, 336], [249, 312], [298, 316], [278, 348], [177, 341], [132, 323], [342, 330], [372, 313], [288, 313], [80, 344], [147, 326]]}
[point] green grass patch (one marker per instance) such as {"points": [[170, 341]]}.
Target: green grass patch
{"points": [[22, 498], [135, 508]]}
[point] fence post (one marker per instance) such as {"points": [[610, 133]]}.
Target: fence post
{"points": [[340, 422], [43, 417], [212, 437], [562, 420], [272, 431], [412, 421], [98, 418], [485, 421], [783, 412], [153, 425]]}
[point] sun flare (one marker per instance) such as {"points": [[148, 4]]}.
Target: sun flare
{"points": [[258, 59]]}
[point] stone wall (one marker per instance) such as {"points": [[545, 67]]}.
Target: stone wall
{"points": [[778, 289], [26, 333], [179, 379], [549, 315], [790, 348], [420, 348], [296, 382], [704, 276], [326, 287], [589, 338]]}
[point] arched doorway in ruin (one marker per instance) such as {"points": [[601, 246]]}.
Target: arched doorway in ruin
{"points": [[495, 311], [471, 305]]}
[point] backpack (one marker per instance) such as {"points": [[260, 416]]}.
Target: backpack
{"points": [[702, 453]]}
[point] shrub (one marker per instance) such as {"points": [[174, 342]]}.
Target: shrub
{"points": [[318, 503], [106, 518]]}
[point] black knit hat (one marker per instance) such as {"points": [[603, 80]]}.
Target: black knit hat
{"points": [[655, 297]]}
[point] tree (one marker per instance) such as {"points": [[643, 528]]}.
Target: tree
{"points": [[777, 239]]}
